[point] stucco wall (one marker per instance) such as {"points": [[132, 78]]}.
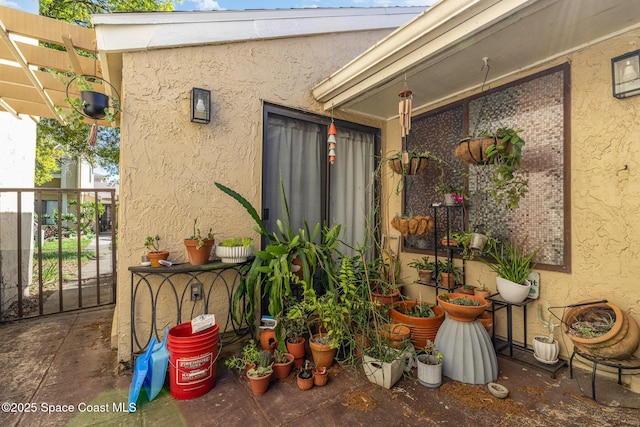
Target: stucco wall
{"points": [[169, 165], [605, 197]]}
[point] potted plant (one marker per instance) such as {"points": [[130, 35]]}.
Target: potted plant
{"points": [[452, 194], [422, 318], [464, 308], [409, 162], [304, 379], [90, 103], [260, 375], [513, 264], [320, 376], [155, 254], [481, 290], [198, 246], [450, 275], [424, 267], [502, 149], [466, 289], [235, 250], [429, 362], [294, 323], [545, 348], [250, 358], [282, 364]]}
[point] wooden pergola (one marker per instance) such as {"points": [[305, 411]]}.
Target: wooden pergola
{"points": [[28, 87]]}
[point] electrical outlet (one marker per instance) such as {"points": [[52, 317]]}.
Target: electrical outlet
{"points": [[196, 291]]}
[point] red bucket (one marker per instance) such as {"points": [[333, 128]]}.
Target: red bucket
{"points": [[193, 359]]}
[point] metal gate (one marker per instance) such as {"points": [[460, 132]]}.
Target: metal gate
{"points": [[57, 250]]}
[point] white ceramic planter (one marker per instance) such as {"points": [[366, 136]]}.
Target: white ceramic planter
{"points": [[382, 373], [233, 254], [545, 352], [512, 292], [429, 375]]}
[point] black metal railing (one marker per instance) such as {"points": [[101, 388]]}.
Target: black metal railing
{"points": [[38, 277]]}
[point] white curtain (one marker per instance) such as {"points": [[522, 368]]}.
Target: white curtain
{"points": [[351, 193], [297, 149], [293, 150]]}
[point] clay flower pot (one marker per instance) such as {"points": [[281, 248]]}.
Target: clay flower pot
{"points": [[320, 376], [395, 334], [304, 383], [463, 313], [422, 328], [154, 257], [259, 385], [323, 354], [199, 255], [282, 370], [297, 350]]}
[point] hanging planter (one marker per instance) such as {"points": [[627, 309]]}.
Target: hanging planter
{"points": [[91, 103], [413, 226], [409, 163]]}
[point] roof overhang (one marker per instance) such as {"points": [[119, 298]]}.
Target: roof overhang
{"points": [[440, 53], [125, 32]]}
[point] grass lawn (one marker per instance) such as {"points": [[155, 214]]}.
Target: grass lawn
{"points": [[69, 255]]}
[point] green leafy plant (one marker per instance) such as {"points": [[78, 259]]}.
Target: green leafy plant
{"points": [[198, 236], [422, 264], [264, 365], [465, 301], [250, 356], [434, 357], [419, 310], [152, 243], [245, 242], [509, 184], [511, 261]]}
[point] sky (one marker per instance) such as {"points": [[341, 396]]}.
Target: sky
{"points": [[191, 5]]}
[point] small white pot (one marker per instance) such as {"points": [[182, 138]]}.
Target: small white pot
{"points": [[512, 292], [233, 254], [545, 352], [429, 375]]}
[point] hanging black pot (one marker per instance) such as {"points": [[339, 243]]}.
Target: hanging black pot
{"points": [[94, 104]]}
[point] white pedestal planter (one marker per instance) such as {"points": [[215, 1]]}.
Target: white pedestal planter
{"points": [[233, 254], [545, 352]]}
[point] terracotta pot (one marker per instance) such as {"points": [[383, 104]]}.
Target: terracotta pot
{"points": [[268, 340], [422, 328], [386, 299], [487, 321], [297, 350], [199, 256], [320, 377], [448, 280], [282, 370], [463, 290], [619, 343], [304, 383], [449, 243], [416, 166], [463, 313], [154, 257], [362, 342], [259, 385], [395, 334], [323, 354], [425, 275], [482, 294]]}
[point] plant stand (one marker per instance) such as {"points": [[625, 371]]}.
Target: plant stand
{"points": [[632, 363], [509, 348], [467, 352]]}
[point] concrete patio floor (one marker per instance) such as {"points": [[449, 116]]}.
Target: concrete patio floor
{"points": [[63, 363]]}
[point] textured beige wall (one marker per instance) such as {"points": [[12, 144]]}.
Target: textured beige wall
{"points": [[605, 197], [169, 165]]}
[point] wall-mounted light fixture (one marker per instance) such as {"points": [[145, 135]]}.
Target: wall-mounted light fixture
{"points": [[200, 105], [625, 74]]}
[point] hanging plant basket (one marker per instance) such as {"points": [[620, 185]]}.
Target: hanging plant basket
{"points": [[473, 151], [416, 166], [93, 105], [413, 226]]}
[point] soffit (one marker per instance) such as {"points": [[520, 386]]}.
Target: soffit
{"points": [[440, 52], [24, 88]]}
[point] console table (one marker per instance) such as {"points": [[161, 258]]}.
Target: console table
{"points": [[516, 351], [190, 287]]}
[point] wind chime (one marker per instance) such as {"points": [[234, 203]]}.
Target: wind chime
{"points": [[332, 141], [404, 110]]}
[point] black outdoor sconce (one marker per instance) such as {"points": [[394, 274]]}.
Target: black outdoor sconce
{"points": [[200, 105], [625, 75]]}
